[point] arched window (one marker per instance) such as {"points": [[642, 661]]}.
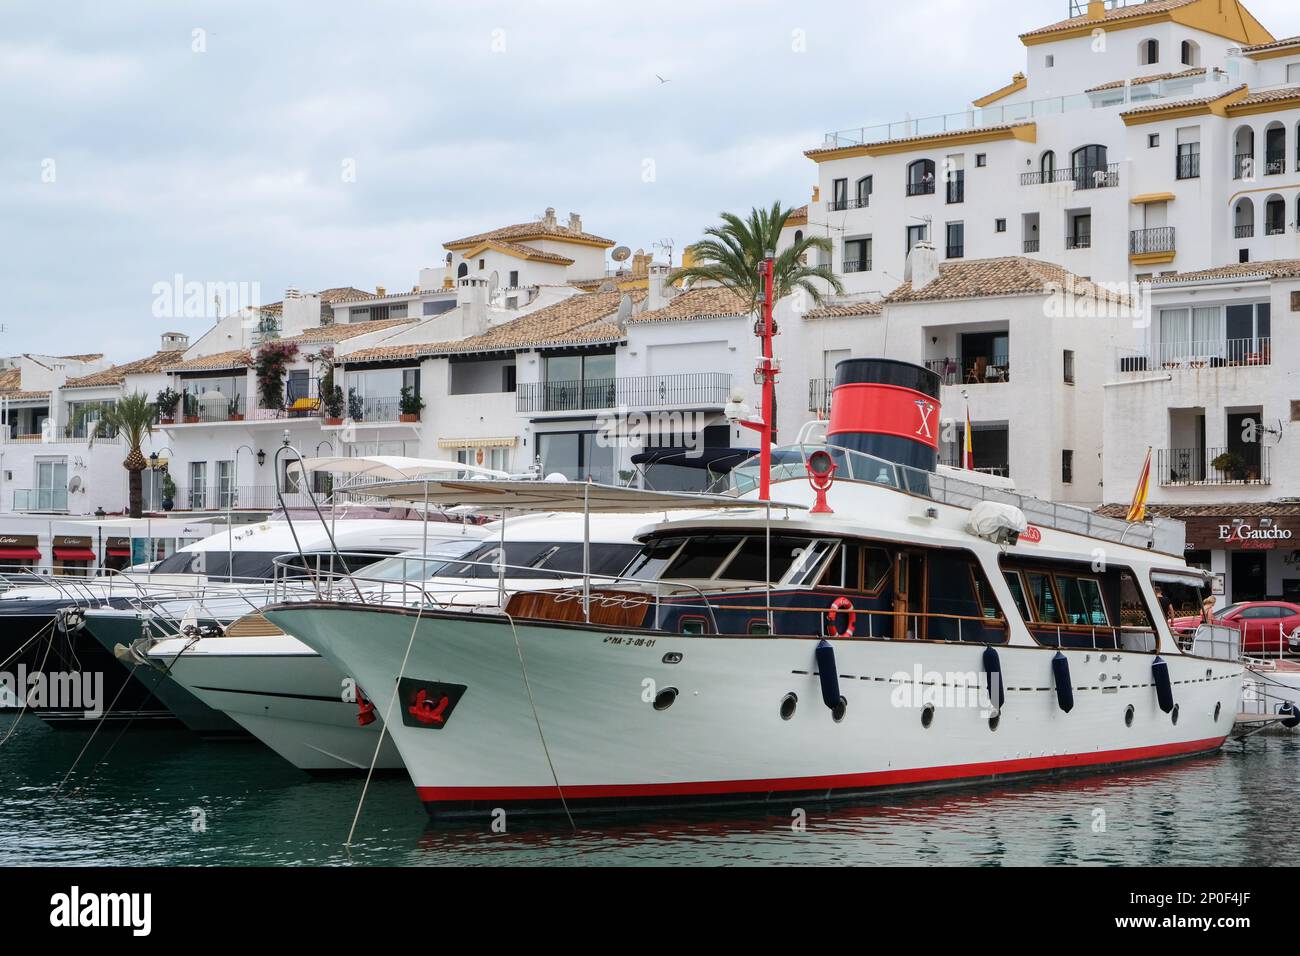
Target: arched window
{"points": [[863, 191], [1149, 52], [1191, 53], [1274, 149], [1275, 216], [1047, 166], [463, 271], [1090, 167], [798, 236], [1243, 219], [920, 177], [1243, 153]]}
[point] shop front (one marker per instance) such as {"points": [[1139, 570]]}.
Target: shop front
{"points": [[19, 553], [1254, 553], [74, 555], [117, 553]]}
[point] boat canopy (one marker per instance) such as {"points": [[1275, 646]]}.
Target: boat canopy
{"points": [[391, 467]]}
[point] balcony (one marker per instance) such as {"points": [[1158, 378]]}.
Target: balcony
{"points": [[204, 411], [40, 499], [643, 391], [377, 410], [839, 205], [1151, 242], [218, 497], [1032, 245], [857, 265], [1083, 177], [972, 370], [819, 394], [1197, 466], [1189, 166], [953, 459], [1080, 241], [1274, 165], [956, 189], [922, 188], [1243, 166], [1223, 353], [1274, 228], [1246, 231]]}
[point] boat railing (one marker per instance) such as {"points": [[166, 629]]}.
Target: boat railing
{"points": [[1217, 641], [789, 464]]}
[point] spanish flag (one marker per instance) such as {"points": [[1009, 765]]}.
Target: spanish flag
{"points": [[968, 459], [1137, 511]]}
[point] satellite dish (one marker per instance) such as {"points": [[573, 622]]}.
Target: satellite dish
{"points": [[624, 308], [74, 484], [621, 254]]}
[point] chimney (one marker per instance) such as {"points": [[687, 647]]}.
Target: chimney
{"points": [[379, 291], [641, 262], [472, 301], [656, 287], [922, 265], [1096, 10], [549, 218], [575, 222], [299, 312], [172, 341]]}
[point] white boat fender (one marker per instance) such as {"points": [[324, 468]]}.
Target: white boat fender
{"points": [[71, 620], [830, 676], [1164, 690], [993, 672], [1290, 714], [1064, 689]]}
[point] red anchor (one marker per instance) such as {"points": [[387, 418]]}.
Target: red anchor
{"points": [[365, 710], [425, 712]]}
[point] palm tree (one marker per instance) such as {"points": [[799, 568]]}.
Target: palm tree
{"points": [[732, 254], [131, 417]]}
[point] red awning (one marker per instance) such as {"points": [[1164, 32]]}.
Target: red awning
{"points": [[25, 554], [119, 552], [74, 554]]}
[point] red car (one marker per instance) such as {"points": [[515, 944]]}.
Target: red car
{"points": [[1264, 625]]}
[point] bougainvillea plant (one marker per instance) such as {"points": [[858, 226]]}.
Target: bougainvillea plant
{"points": [[271, 365]]}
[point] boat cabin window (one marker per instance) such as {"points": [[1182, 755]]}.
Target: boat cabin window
{"points": [[1185, 591], [538, 559], [414, 567], [741, 558], [854, 567], [221, 565], [1068, 604]]}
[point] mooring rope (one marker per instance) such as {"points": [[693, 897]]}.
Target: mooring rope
{"points": [[23, 710]]}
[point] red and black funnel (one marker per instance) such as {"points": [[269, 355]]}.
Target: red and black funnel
{"points": [[888, 409]]}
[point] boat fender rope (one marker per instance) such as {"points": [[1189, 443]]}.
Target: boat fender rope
{"points": [[830, 677], [1164, 690], [1064, 689], [1291, 713], [841, 604], [996, 687]]}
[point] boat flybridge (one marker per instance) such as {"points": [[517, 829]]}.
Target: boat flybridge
{"points": [[870, 624]]}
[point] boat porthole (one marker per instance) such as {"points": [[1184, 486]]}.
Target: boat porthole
{"points": [[1128, 716], [840, 709], [788, 703], [1173, 714], [927, 715], [993, 721], [1218, 708], [664, 699]]}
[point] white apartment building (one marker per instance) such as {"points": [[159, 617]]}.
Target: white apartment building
{"points": [[1214, 390], [1136, 139]]}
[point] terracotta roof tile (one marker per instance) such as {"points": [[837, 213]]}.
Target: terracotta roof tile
{"points": [[1268, 269], [11, 379], [798, 216], [845, 310], [1140, 80], [525, 252], [1112, 16], [234, 358], [343, 331], [117, 374], [1267, 96], [523, 231], [1013, 275], [1179, 104], [709, 302], [1274, 45], [1248, 509], [584, 318]]}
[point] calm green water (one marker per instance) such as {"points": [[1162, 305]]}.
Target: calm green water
{"points": [[137, 807]]}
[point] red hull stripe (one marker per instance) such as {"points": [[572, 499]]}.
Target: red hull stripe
{"points": [[847, 781], [885, 410]]}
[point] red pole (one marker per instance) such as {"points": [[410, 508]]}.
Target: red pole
{"points": [[769, 383]]}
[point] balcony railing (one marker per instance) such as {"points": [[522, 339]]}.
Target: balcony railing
{"points": [[1274, 228], [1081, 241], [641, 391], [955, 252], [954, 459], [40, 499], [839, 205], [1274, 165], [922, 188], [1083, 177], [1032, 245], [198, 410], [976, 370], [957, 189], [377, 409], [819, 394], [1189, 166], [1220, 353], [218, 497], [1244, 231], [1159, 239], [1244, 166], [1197, 466], [857, 265]]}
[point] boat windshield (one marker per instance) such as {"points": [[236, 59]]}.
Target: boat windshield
{"points": [[415, 567], [539, 559], [728, 557]]}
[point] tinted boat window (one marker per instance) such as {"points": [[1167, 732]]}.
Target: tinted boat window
{"points": [[604, 558], [1040, 587], [751, 564], [1083, 602], [654, 556], [702, 557], [218, 565], [1018, 594]]}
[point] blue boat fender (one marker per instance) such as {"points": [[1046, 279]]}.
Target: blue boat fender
{"points": [[1064, 689], [830, 676], [1164, 689], [1291, 713], [993, 672]]}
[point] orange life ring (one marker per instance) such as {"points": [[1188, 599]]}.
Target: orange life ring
{"points": [[841, 604]]}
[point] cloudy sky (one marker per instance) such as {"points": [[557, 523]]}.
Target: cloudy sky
{"points": [[314, 143]]}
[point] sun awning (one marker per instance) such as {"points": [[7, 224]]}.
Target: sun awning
{"points": [[119, 552], [573, 496], [501, 442], [389, 467], [24, 554], [74, 554]]}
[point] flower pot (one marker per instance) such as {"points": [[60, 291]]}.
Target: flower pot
{"points": [[333, 421], [168, 504], [168, 421], [408, 417], [191, 419], [236, 417]]}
